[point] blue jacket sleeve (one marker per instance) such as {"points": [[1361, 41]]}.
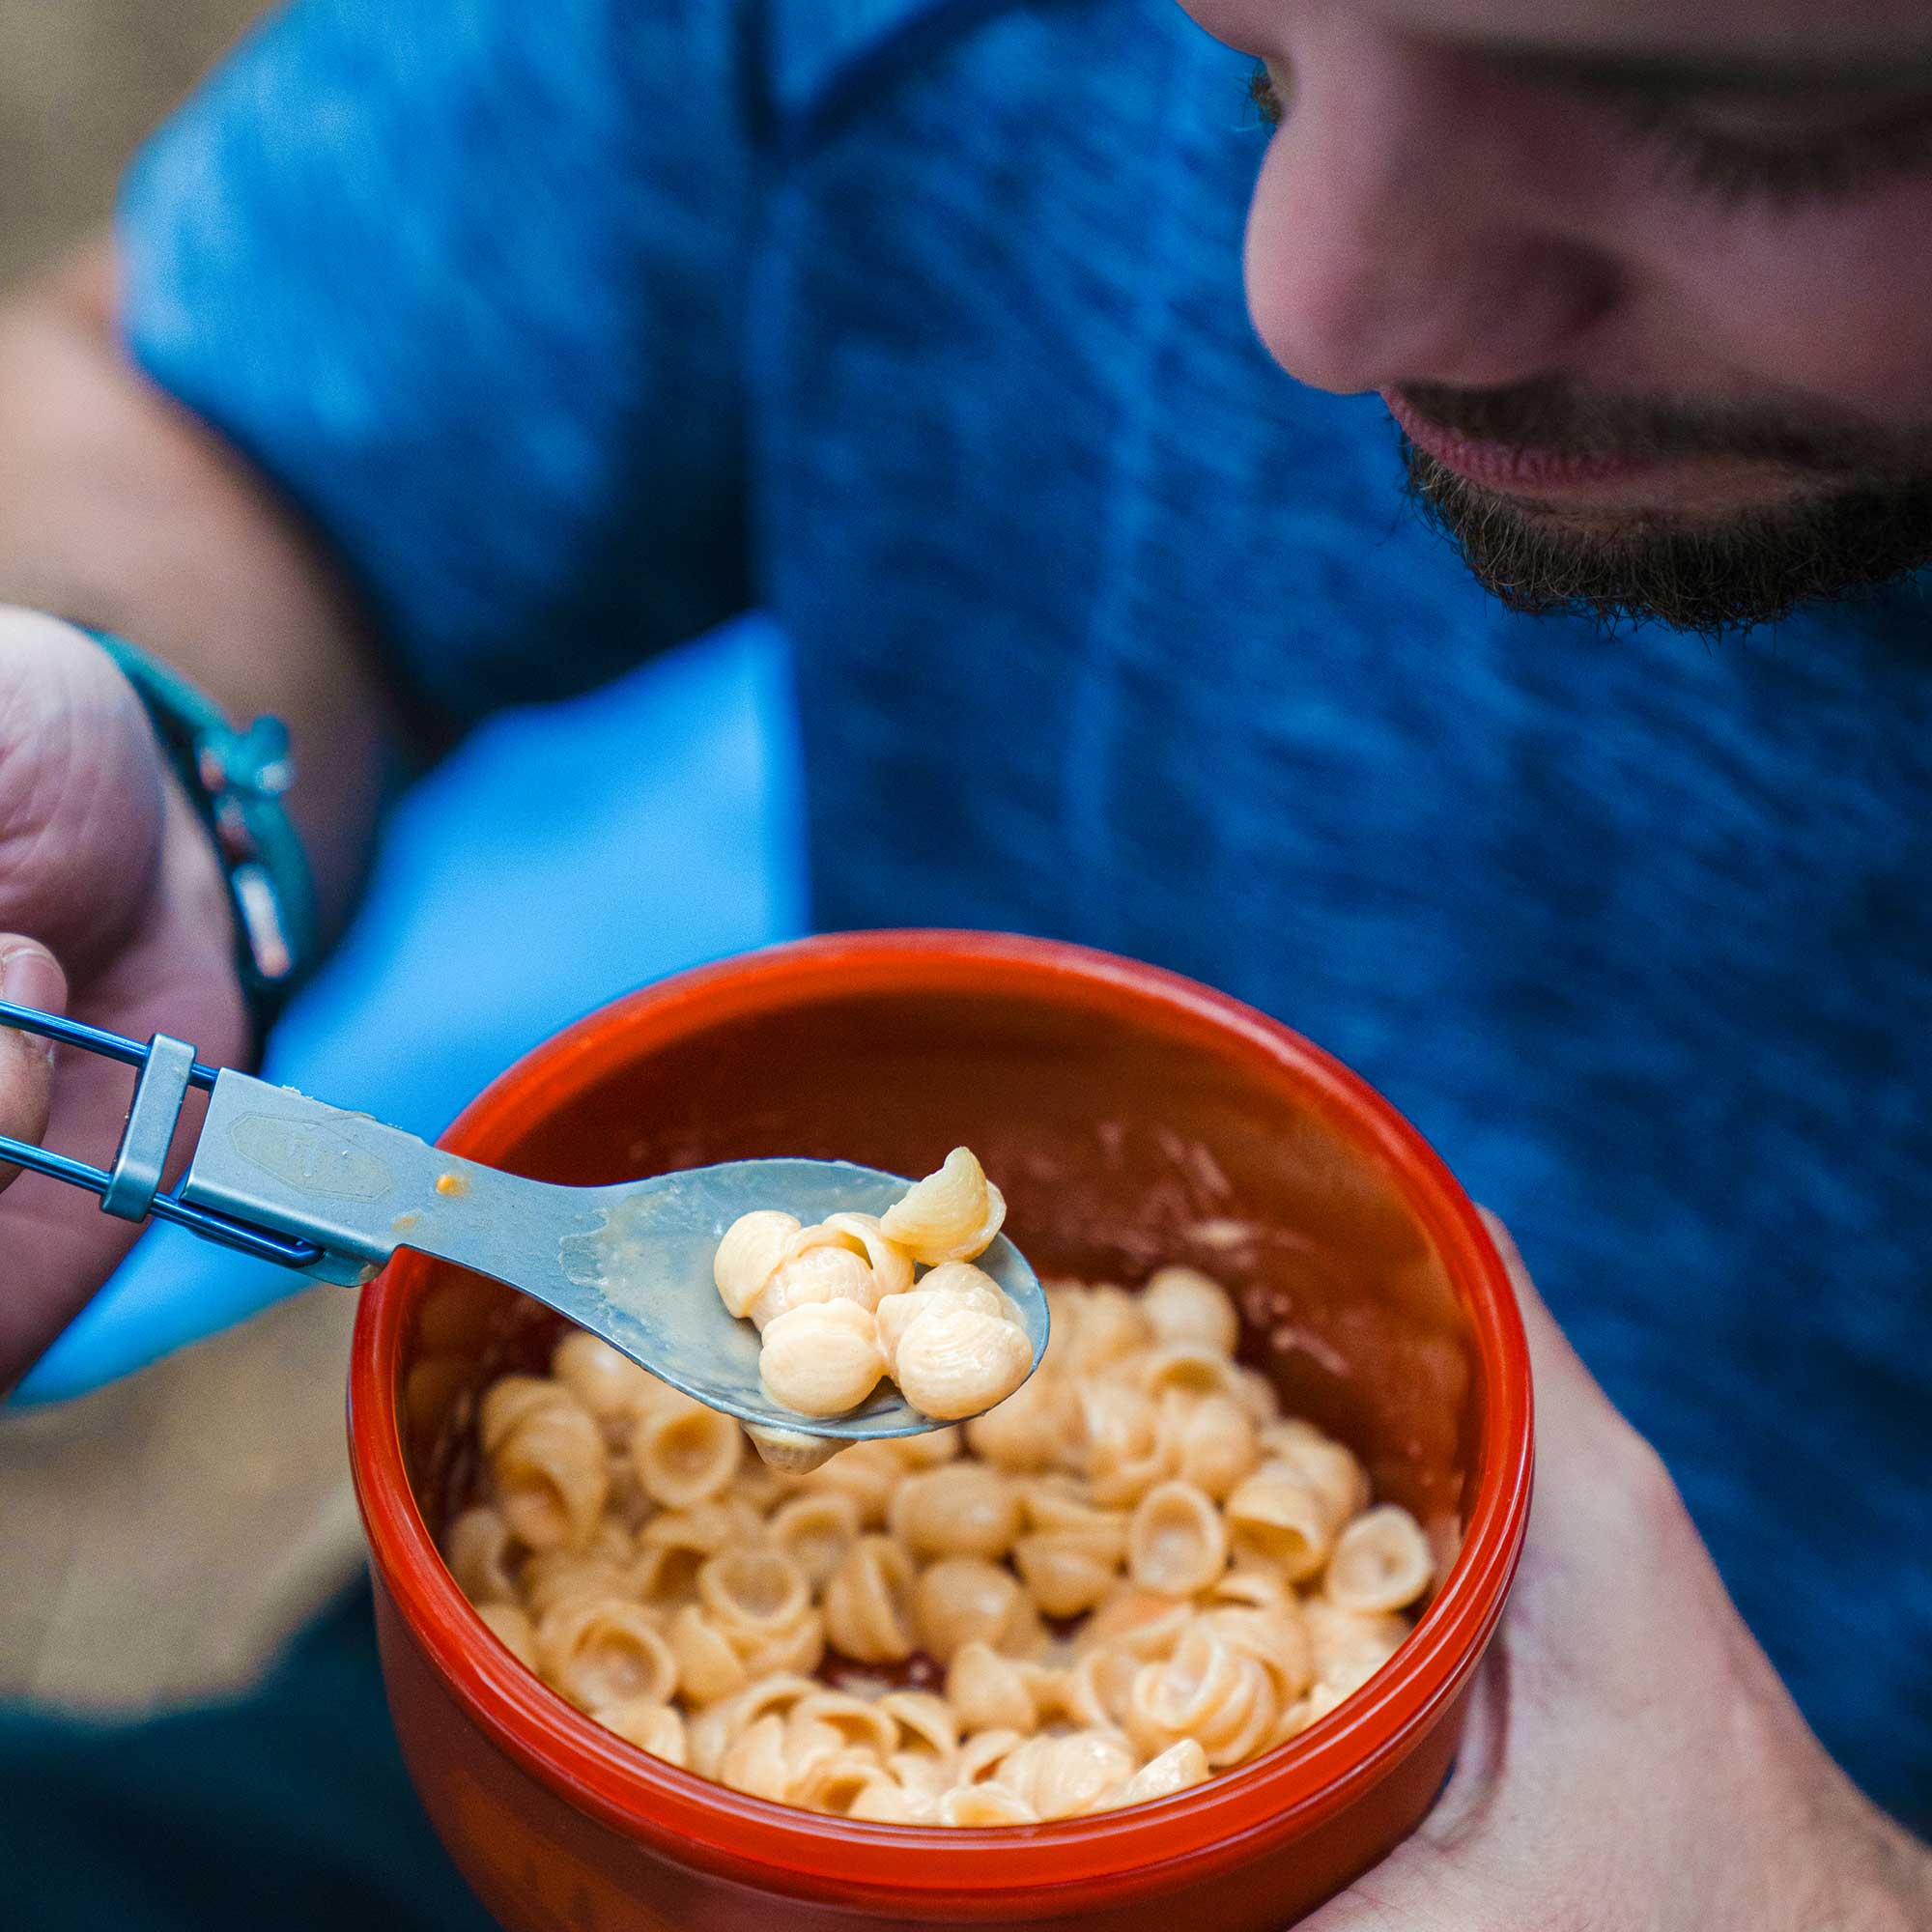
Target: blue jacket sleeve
{"points": [[464, 279]]}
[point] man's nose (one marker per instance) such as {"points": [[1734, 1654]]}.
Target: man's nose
{"points": [[1407, 227]]}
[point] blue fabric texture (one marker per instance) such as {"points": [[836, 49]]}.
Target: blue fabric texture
{"points": [[919, 326]]}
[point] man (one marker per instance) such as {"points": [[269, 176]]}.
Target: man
{"points": [[498, 346]]}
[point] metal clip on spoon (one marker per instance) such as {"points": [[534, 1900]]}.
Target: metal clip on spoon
{"points": [[333, 1194]]}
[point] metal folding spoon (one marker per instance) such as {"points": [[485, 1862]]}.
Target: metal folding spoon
{"points": [[334, 1194]]}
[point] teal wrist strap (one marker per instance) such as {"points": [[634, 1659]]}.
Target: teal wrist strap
{"points": [[236, 780]]}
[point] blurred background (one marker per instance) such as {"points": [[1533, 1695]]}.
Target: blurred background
{"points": [[173, 1508], [80, 82]]}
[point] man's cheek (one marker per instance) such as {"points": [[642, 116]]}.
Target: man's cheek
{"points": [[1868, 355], [1835, 306]]}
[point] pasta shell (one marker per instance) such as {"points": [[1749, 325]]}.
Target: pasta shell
{"points": [[816, 1530], [867, 1604], [708, 1664], [790, 1451], [1185, 1368], [512, 1629], [923, 1773], [929, 1448], [1053, 1504], [835, 1784], [822, 1359], [1066, 1573], [649, 1723], [891, 1263], [1276, 1637], [1144, 1623], [1209, 1442], [956, 1285], [751, 1251], [478, 1547], [1257, 1394], [1096, 1689], [972, 1284], [609, 1384], [889, 1802], [818, 1276], [964, 1599], [1063, 1777], [1347, 1648], [755, 1761], [671, 1547], [1179, 1767], [987, 1804], [798, 1645], [961, 1509], [1250, 1589], [1329, 1468], [1027, 1431], [686, 1454], [553, 1576], [1274, 1517], [777, 1695], [1182, 1304], [753, 1589], [952, 1216], [859, 1723], [981, 1755], [1177, 1544], [954, 1362], [1120, 1443], [548, 1465], [1209, 1690], [868, 1473], [988, 1691], [600, 1652], [1381, 1561], [926, 1722], [509, 1400], [1111, 1325]]}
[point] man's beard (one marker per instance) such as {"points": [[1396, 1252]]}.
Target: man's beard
{"points": [[1864, 515]]}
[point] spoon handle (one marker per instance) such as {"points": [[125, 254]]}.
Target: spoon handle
{"points": [[277, 1158], [290, 1180], [131, 1189]]}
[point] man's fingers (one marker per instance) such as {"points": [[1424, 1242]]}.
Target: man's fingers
{"points": [[29, 977]]}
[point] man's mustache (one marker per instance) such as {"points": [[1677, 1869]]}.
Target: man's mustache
{"points": [[1553, 417]]}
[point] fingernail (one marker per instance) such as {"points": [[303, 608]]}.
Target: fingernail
{"points": [[29, 977]]}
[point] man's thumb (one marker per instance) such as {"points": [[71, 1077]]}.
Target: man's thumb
{"points": [[29, 977]]}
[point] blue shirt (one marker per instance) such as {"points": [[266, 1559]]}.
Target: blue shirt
{"points": [[578, 327]]}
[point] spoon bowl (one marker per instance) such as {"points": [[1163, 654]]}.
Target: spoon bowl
{"points": [[643, 1282]]}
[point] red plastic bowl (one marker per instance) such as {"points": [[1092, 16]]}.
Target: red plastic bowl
{"points": [[1132, 1117]]}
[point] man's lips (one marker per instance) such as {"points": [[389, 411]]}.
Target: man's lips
{"points": [[1513, 467]]}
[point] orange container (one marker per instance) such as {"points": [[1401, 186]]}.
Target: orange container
{"points": [[1132, 1117]]}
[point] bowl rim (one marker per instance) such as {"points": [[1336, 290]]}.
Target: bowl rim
{"points": [[709, 1827]]}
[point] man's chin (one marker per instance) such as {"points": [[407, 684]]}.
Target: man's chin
{"points": [[1720, 552]]}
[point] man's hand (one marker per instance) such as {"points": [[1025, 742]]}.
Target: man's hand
{"points": [[120, 508], [1633, 1763], [105, 868]]}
